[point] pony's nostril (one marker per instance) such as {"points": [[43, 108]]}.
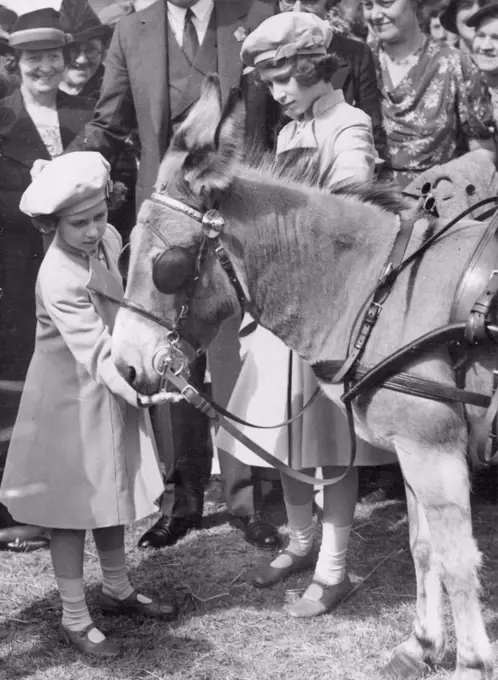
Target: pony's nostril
{"points": [[132, 374]]}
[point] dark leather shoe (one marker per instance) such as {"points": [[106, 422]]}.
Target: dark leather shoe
{"points": [[107, 649], [258, 530], [26, 544], [267, 576], [319, 599], [131, 606], [168, 530]]}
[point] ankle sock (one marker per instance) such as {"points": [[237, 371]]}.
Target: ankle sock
{"points": [[115, 580], [331, 565], [301, 533], [75, 614]]}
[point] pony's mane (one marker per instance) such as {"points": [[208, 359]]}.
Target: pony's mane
{"points": [[302, 167]]}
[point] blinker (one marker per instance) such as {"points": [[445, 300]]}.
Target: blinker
{"points": [[212, 223], [172, 269]]}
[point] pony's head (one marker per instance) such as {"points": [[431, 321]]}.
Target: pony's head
{"points": [[177, 294]]}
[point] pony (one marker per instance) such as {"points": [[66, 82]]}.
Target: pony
{"points": [[306, 261]]}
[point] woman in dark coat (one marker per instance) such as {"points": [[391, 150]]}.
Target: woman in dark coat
{"points": [[36, 121]]}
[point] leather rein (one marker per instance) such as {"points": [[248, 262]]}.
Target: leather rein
{"points": [[172, 364]]}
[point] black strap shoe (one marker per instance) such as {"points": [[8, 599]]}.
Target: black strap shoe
{"points": [[168, 530], [258, 530]]}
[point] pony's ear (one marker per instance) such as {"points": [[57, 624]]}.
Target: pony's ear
{"points": [[213, 169], [199, 127]]}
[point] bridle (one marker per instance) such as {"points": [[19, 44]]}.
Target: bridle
{"points": [[213, 224]]}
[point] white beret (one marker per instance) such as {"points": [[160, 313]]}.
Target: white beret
{"points": [[69, 184], [285, 35]]}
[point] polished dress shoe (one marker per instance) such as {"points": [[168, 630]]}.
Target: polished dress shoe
{"points": [[266, 575], [25, 544], [106, 649], [319, 599], [257, 530], [168, 530], [132, 606]]}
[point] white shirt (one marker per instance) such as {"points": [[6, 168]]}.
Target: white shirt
{"points": [[202, 14]]}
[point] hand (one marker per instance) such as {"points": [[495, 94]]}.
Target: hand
{"points": [[38, 166], [145, 401]]}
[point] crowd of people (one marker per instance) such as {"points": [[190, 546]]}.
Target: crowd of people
{"points": [[384, 95]]}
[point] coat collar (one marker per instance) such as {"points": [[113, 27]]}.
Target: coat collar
{"points": [[102, 279], [20, 138]]}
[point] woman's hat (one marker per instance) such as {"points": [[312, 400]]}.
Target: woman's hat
{"points": [[79, 20], [286, 35], [490, 9], [38, 30], [69, 184]]}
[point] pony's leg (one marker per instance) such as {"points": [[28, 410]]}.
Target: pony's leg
{"points": [[427, 641], [438, 477]]}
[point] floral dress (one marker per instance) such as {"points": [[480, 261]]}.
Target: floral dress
{"points": [[431, 115]]}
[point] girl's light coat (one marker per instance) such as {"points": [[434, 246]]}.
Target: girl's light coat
{"points": [[78, 430]]}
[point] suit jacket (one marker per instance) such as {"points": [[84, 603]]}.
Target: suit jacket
{"points": [[93, 448], [135, 89], [21, 248], [356, 77]]}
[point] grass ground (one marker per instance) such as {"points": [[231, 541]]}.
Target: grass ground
{"points": [[228, 630]]}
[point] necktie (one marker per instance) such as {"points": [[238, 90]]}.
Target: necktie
{"points": [[190, 45]]}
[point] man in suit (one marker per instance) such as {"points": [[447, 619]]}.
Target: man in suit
{"points": [[356, 75], [153, 88]]}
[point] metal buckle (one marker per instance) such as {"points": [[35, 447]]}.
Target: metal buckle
{"points": [[213, 223]]}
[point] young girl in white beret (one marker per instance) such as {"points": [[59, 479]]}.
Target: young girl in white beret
{"points": [[80, 435], [290, 55]]}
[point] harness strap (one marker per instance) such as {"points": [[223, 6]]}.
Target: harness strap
{"points": [[164, 323], [409, 384], [382, 291], [476, 330], [231, 416], [224, 260], [485, 430], [206, 406]]}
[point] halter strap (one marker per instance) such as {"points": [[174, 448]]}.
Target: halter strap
{"points": [[177, 205]]}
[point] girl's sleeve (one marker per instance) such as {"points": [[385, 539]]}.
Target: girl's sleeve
{"points": [[85, 334], [354, 157], [475, 110]]}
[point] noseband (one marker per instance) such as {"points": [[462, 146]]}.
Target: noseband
{"points": [[213, 225]]}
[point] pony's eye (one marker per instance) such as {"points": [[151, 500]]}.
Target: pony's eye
{"points": [[172, 269]]}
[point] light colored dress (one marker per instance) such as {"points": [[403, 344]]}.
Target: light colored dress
{"points": [[78, 430], [275, 383]]}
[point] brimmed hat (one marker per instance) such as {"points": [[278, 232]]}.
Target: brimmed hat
{"points": [[83, 24], [488, 10], [286, 35], [69, 184], [7, 18], [448, 16], [38, 30]]}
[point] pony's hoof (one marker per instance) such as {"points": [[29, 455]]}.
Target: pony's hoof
{"points": [[405, 667]]}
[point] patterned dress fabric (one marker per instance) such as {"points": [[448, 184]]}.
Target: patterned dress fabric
{"points": [[433, 113]]}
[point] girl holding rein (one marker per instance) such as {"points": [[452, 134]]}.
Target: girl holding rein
{"points": [[289, 54], [79, 431]]}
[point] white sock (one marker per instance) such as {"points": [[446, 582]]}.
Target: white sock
{"points": [[115, 580], [75, 614], [331, 566], [301, 533]]}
